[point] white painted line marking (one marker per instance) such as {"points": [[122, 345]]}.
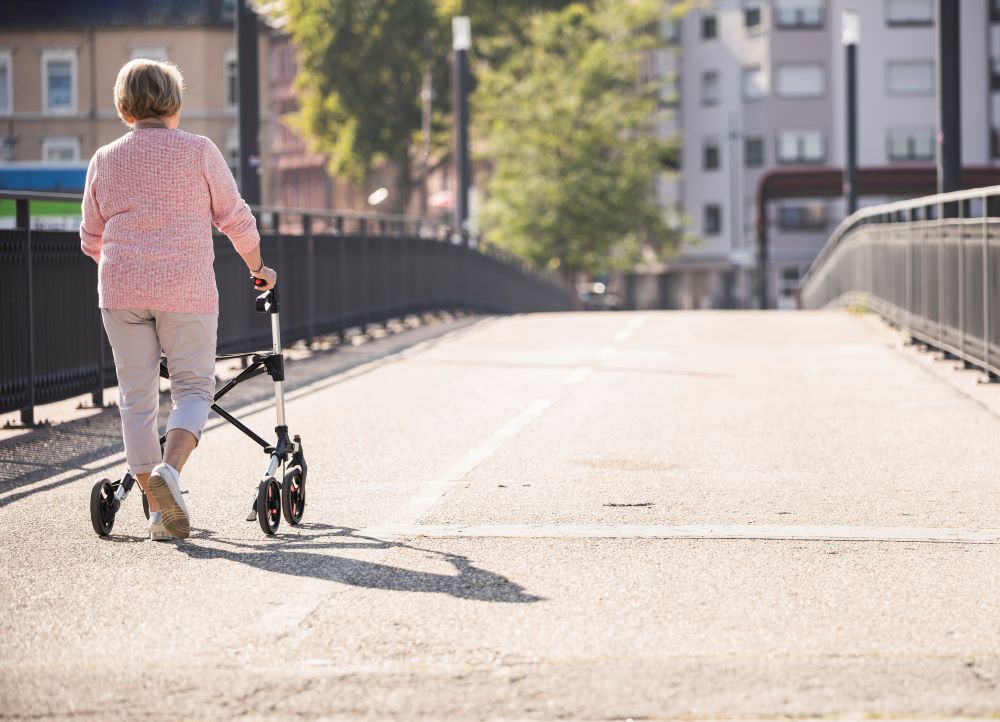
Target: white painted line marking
{"points": [[578, 375], [719, 531], [623, 335], [636, 322], [606, 352], [434, 490]]}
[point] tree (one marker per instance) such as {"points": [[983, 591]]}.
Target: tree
{"points": [[568, 124], [361, 68]]}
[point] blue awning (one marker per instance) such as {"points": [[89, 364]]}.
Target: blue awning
{"points": [[44, 178]]}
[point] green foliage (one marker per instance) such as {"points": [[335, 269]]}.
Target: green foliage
{"points": [[568, 124], [361, 70]]}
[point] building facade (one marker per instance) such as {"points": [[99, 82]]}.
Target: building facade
{"points": [[758, 86], [58, 64]]}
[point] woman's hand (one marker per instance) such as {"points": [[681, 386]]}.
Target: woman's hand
{"points": [[267, 275]]}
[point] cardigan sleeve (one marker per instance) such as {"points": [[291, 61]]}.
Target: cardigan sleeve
{"points": [[230, 213], [92, 226]]}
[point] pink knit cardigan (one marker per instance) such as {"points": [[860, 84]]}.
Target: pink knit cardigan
{"points": [[149, 203]]}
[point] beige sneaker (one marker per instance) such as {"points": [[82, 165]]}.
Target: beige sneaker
{"points": [[164, 487]]}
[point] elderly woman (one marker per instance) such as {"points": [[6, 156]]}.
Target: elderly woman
{"points": [[150, 200]]}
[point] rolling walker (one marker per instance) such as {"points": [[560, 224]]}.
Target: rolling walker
{"points": [[271, 499]]}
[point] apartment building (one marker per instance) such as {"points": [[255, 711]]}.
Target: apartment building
{"points": [[58, 64], [758, 87]]}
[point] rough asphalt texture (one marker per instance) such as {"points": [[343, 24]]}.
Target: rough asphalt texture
{"points": [[689, 418]]}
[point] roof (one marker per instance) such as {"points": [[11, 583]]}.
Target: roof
{"points": [[117, 13]]}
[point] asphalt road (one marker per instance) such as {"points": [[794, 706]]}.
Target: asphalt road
{"points": [[572, 516]]}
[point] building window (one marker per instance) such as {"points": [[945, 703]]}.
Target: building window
{"points": [[149, 52], [672, 31], [233, 150], [709, 88], [910, 77], [802, 216], [909, 12], [753, 83], [712, 221], [788, 284], [709, 27], [751, 16], [910, 144], [800, 14], [232, 79], [801, 146], [710, 154], [227, 10], [6, 85], [805, 80], [60, 149], [59, 81], [753, 151], [670, 94]]}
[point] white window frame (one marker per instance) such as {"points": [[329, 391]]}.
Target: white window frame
{"points": [[59, 55], [748, 72], [799, 14], [705, 98], [810, 94], [52, 142], [141, 51], [909, 93], [230, 57], [904, 22], [7, 59], [909, 134], [800, 144]]}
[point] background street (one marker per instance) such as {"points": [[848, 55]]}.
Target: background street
{"points": [[582, 516]]}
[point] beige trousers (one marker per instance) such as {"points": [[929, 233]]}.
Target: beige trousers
{"points": [[137, 337]]}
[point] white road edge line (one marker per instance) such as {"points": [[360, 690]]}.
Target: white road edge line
{"points": [[606, 352], [434, 490], [636, 322], [715, 531], [624, 335], [578, 374]]}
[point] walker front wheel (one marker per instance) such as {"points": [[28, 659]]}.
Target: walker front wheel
{"points": [[102, 507], [293, 496], [269, 505]]}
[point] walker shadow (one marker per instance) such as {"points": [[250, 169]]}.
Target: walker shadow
{"points": [[294, 555]]}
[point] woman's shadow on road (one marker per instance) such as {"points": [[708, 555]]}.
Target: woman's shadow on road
{"points": [[296, 556]]}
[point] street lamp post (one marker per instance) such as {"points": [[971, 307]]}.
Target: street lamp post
{"points": [[461, 41], [248, 67], [850, 35], [949, 156]]}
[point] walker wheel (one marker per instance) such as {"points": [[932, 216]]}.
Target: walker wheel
{"points": [[269, 505], [293, 496], [102, 507]]}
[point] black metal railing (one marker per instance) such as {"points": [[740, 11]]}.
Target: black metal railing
{"points": [[337, 271], [930, 266]]}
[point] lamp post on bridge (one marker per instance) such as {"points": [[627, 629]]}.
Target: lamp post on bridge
{"points": [[850, 35], [461, 42], [248, 72], [949, 77]]}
